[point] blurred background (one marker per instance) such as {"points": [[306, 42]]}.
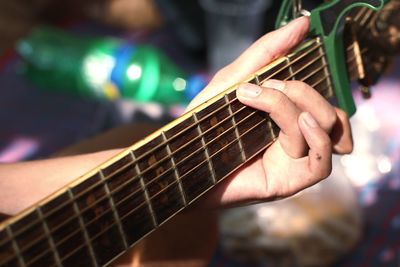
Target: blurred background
{"points": [[71, 70]]}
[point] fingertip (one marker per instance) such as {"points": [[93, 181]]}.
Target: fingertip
{"points": [[248, 91], [302, 23]]}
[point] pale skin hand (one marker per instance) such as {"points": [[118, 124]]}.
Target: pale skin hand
{"points": [[311, 128]]}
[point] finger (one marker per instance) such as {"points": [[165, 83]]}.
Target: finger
{"points": [[341, 135], [320, 148], [307, 99], [281, 110], [258, 55]]}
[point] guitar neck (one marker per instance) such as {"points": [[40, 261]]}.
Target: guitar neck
{"points": [[103, 213]]}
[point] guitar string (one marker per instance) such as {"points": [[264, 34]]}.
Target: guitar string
{"points": [[188, 173], [109, 209], [130, 212], [82, 211], [229, 144], [166, 171], [304, 79], [92, 238], [184, 159], [181, 132], [300, 56]]}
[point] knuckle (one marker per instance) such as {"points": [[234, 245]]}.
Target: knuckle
{"points": [[276, 99], [342, 114], [330, 117], [297, 90]]}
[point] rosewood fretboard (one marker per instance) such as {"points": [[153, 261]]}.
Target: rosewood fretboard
{"points": [[108, 210]]}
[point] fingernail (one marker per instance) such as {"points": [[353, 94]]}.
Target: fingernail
{"points": [[309, 120], [274, 84], [249, 90]]}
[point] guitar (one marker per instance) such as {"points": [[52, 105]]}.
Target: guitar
{"points": [[100, 215]]}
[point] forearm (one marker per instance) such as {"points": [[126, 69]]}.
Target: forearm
{"points": [[25, 183]]}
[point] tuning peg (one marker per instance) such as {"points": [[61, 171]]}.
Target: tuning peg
{"points": [[365, 91]]}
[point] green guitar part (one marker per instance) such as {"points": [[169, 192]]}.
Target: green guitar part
{"points": [[327, 21]]}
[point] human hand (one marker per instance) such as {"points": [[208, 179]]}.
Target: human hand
{"points": [[311, 128]]}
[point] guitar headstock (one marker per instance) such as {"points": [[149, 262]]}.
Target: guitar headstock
{"points": [[377, 35], [328, 22]]}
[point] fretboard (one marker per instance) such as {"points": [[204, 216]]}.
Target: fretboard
{"points": [[108, 210]]}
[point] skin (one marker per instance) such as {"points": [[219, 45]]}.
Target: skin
{"points": [[311, 130]]}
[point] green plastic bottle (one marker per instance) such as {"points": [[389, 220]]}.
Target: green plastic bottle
{"points": [[105, 68]]}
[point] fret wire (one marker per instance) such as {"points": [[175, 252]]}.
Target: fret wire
{"points": [[222, 106], [126, 197], [182, 131], [300, 56], [320, 81], [218, 151], [37, 256], [145, 191], [305, 66], [143, 188], [170, 184], [271, 130], [49, 236], [203, 143], [72, 252], [184, 159], [314, 72], [290, 70], [232, 115], [211, 141], [87, 224], [83, 229], [124, 216], [143, 203], [16, 248], [223, 148], [114, 210], [294, 60], [324, 78], [327, 74], [175, 170], [111, 225]]}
